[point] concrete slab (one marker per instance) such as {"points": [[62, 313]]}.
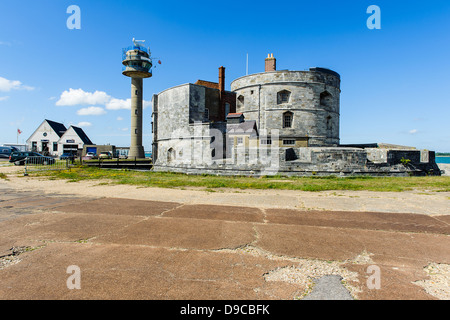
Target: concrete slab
{"points": [[129, 249], [183, 233]]}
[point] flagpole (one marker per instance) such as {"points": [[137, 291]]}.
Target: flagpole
{"points": [[246, 68]]}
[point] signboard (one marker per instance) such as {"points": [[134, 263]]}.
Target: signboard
{"points": [[70, 141]]}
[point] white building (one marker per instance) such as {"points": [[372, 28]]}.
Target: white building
{"points": [[73, 140], [54, 138]]}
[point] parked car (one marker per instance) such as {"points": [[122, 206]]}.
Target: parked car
{"points": [[19, 158], [105, 155], [90, 156], [66, 156], [5, 152]]}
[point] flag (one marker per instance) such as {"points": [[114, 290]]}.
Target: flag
{"points": [[159, 61], [18, 131]]}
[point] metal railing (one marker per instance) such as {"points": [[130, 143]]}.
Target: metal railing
{"points": [[45, 163]]}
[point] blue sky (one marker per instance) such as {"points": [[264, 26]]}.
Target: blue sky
{"points": [[395, 81]]}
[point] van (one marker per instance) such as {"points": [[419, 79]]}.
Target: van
{"points": [[5, 152]]}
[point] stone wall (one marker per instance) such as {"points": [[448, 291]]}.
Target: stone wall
{"points": [[314, 102]]}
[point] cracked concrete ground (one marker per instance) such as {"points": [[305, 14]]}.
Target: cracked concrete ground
{"points": [[147, 249]]}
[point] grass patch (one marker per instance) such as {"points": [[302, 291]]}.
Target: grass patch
{"points": [[3, 176], [211, 182]]}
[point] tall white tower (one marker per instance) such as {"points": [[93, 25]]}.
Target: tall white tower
{"points": [[137, 65]]}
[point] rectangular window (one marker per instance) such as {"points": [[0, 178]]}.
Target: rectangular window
{"points": [[206, 113], [266, 141], [55, 146], [288, 142], [240, 140], [284, 97], [287, 121]]}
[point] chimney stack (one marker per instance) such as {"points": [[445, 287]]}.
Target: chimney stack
{"points": [[222, 79], [271, 63]]}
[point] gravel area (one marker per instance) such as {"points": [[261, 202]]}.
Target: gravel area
{"points": [[307, 271], [439, 283]]}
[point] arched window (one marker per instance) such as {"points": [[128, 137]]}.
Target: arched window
{"points": [[288, 118], [326, 100], [240, 101], [283, 96], [171, 155]]}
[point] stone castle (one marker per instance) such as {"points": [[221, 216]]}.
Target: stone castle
{"points": [[275, 122]]}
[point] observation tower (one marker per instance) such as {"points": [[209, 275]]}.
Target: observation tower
{"points": [[137, 64]]}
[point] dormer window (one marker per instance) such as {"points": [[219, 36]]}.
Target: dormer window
{"points": [[283, 96]]}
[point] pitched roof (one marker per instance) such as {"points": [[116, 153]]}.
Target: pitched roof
{"points": [[59, 128], [83, 136], [246, 127], [234, 115]]}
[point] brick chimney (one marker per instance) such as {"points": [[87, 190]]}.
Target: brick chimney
{"points": [[271, 63], [222, 79]]}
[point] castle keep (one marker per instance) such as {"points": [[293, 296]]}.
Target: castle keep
{"points": [[274, 122]]}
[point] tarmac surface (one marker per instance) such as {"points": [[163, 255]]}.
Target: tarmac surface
{"points": [[147, 249]]}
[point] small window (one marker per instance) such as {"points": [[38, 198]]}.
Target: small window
{"points": [[266, 141], [227, 109], [283, 96], [287, 119], [240, 101], [288, 142], [136, 131], [136, 111], [326, 100], [206, 114], [240, 140], [55, 146]]}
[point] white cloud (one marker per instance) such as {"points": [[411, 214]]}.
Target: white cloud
{"points": [[119, 118], [5, 43], [118, 104], [147, 104], [84, 124], [80, 97], [413, 131], [91, 111], [74, 97], [4, 98], [8, 85]]}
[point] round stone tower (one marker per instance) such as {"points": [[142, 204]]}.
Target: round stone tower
{"points": [[137, 65], [302, 105]]}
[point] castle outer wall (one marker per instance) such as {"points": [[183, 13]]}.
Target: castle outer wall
{"points": [[312, 98], [280, 122]]}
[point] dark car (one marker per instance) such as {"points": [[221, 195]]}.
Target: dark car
{"points": [[66, 156], [5, 152], [19, 158]]}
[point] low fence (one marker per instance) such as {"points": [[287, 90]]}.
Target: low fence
{"points": [[45, 163], [132, 164]]}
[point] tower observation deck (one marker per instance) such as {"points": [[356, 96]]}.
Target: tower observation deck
{"points": [[137, 64]]}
